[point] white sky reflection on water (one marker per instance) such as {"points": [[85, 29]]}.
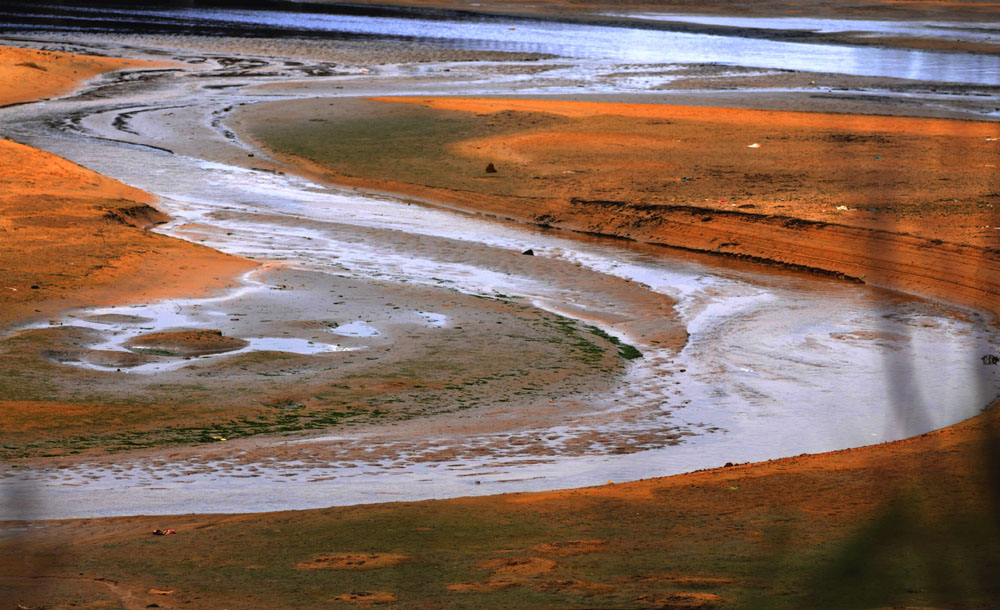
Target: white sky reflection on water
{"points": [[970, 32], [617, 43]]}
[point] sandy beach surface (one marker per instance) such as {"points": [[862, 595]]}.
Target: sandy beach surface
{"points": [[216, 316]]}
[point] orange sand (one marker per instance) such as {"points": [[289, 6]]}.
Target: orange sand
{"points": [[28, 75], [70, 237], [725, 116], [904, 203]]}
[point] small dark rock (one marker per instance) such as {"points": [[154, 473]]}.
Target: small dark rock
{"points": [[990, 360], [729, 465], [528, 252], [491, 169], [34, 286]]}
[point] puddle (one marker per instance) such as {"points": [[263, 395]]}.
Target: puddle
{"points": [[355, 329], [171, 334], [293, 346], [435, 320]]}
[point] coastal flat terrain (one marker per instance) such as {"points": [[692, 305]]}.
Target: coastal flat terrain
{"points": [[858, 196], [905, 524]]}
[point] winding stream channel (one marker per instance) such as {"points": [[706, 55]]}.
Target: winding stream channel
{"points": [[775, 364]]}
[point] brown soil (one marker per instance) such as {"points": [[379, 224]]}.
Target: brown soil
{"points": [[898, 202], [366, 598], [509, 572], [683, 600], [571, 547], [352, 561], [523, 568], [187, 343]]}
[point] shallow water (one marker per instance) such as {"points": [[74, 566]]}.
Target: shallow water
{"points": [[593, 42], [776, 365], [965, 32]]}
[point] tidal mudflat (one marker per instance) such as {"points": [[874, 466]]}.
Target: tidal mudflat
{"points": [[365, 315]]}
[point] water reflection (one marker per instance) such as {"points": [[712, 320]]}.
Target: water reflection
{"points": [[966, 32], [592, 42]]}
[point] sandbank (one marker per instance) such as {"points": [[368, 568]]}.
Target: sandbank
{"points": [[30, 75], [814, 191]]}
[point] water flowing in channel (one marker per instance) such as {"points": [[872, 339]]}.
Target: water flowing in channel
{"points": [[775, 365]]}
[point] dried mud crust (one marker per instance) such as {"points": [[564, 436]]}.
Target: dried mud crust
{"points": [[897, 202]]}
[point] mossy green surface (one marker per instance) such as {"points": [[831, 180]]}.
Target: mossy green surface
{"points": [[747, 548], [409, 143]]}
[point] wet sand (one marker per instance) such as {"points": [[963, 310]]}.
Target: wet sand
{"points": [[780, 530], [416, 350]]}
